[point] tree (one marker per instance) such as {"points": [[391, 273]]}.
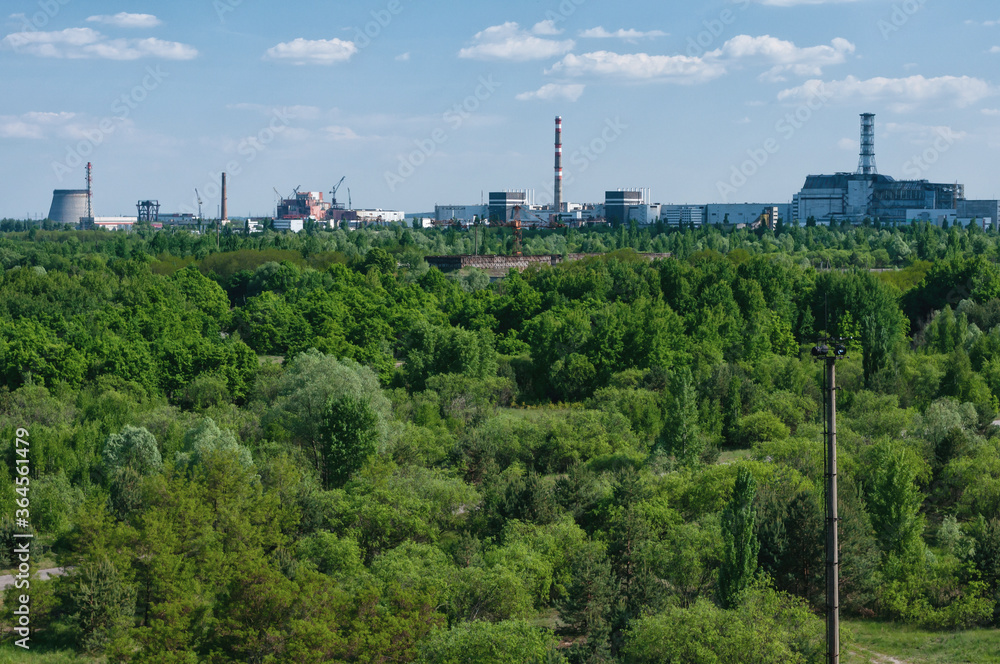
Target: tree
{"points": [[127, 458], [305, 391], [740, 544], [350, 433], [590, 595], [379, 260], [103, 605], [681, 435], [506, 642], [893, 499]]}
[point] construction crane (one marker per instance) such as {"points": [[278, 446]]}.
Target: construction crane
{"points": [[198, 196], [333, 194], [515, 223]]}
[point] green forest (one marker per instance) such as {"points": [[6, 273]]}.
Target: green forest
{"points": [[316, 448]]}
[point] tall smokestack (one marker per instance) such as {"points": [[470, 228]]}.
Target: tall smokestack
{"points": [[867, 164], [225, 199], [557, 203], [90, 191]]}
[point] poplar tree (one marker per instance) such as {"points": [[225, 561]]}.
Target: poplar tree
{"points": [[740, 544]]}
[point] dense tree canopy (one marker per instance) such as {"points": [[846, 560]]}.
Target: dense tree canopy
{"points": [[316, 448]]}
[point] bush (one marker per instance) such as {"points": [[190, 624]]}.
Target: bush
{"points": [[507, 642], [760, 427]]}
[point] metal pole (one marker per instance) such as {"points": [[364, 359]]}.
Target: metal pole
{"points": [[832, 548]]}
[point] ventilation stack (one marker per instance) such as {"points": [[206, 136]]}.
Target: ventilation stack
{"points": [[557, 202], [867, 164], [225, 200]]}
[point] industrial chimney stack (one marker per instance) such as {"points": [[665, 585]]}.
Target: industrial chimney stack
{"points": [[867, 164], [90, 191], [225, 200], [557, 202]]}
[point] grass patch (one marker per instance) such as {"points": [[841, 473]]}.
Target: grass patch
{"points": [[884, 643], [11, 654], [727, 457]]}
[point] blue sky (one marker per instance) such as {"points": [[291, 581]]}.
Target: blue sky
{"points": [[419, 104]]}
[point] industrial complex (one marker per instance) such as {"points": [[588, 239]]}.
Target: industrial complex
{"points": [[843, 196]]}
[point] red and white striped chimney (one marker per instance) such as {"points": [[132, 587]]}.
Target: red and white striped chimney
{"points": [[557, 202]]}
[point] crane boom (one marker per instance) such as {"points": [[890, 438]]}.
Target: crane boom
{"points": [[333, 193]]}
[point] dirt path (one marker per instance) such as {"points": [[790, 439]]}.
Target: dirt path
{"points": [[43, 574], [876, 657]]}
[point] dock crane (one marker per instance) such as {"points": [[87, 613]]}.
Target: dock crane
{"points": [[333, 194]]}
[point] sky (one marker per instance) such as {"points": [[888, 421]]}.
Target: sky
{"points": [[417, 104]]}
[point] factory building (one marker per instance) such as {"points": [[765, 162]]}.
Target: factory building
{"points": [[748, 214], [113, 223], [687, 215], [619, 203], [463, 214], [379, 217], [303, 205], [867, 194], [502, 204], [986, 212]]}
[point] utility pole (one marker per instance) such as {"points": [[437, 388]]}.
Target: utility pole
{"points": [[822, 352]]}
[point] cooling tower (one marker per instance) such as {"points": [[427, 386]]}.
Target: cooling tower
{"points": [[68, 205]]}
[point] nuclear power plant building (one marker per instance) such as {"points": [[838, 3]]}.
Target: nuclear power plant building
{"points": [[866, 194]]}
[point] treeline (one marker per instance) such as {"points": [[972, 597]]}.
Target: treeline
{"points": [[315, 448]]}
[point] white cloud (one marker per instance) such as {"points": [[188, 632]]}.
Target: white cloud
{"points": [[902, 94], [312, 51], [630, 34], [785, 56], [12, 127], [554, 91], [39, 125], [782, 56], [126, 20], [744, 120], [849, 144], [546, 28], [77, 43], [995, 49], [990, 112], [673, 68], [339, 133], [403, 57], [509, 42]]}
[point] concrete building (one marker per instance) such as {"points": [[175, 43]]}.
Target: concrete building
{"points": [[856, 196], [303, 205], [747, 214], [464, 214], [113, 223], [688, 215], [289, 224], [867, 194], [936, 217], [643, 215], [987, 212], [183, 220], [502, 204], [379, 217], [617, 204]]}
